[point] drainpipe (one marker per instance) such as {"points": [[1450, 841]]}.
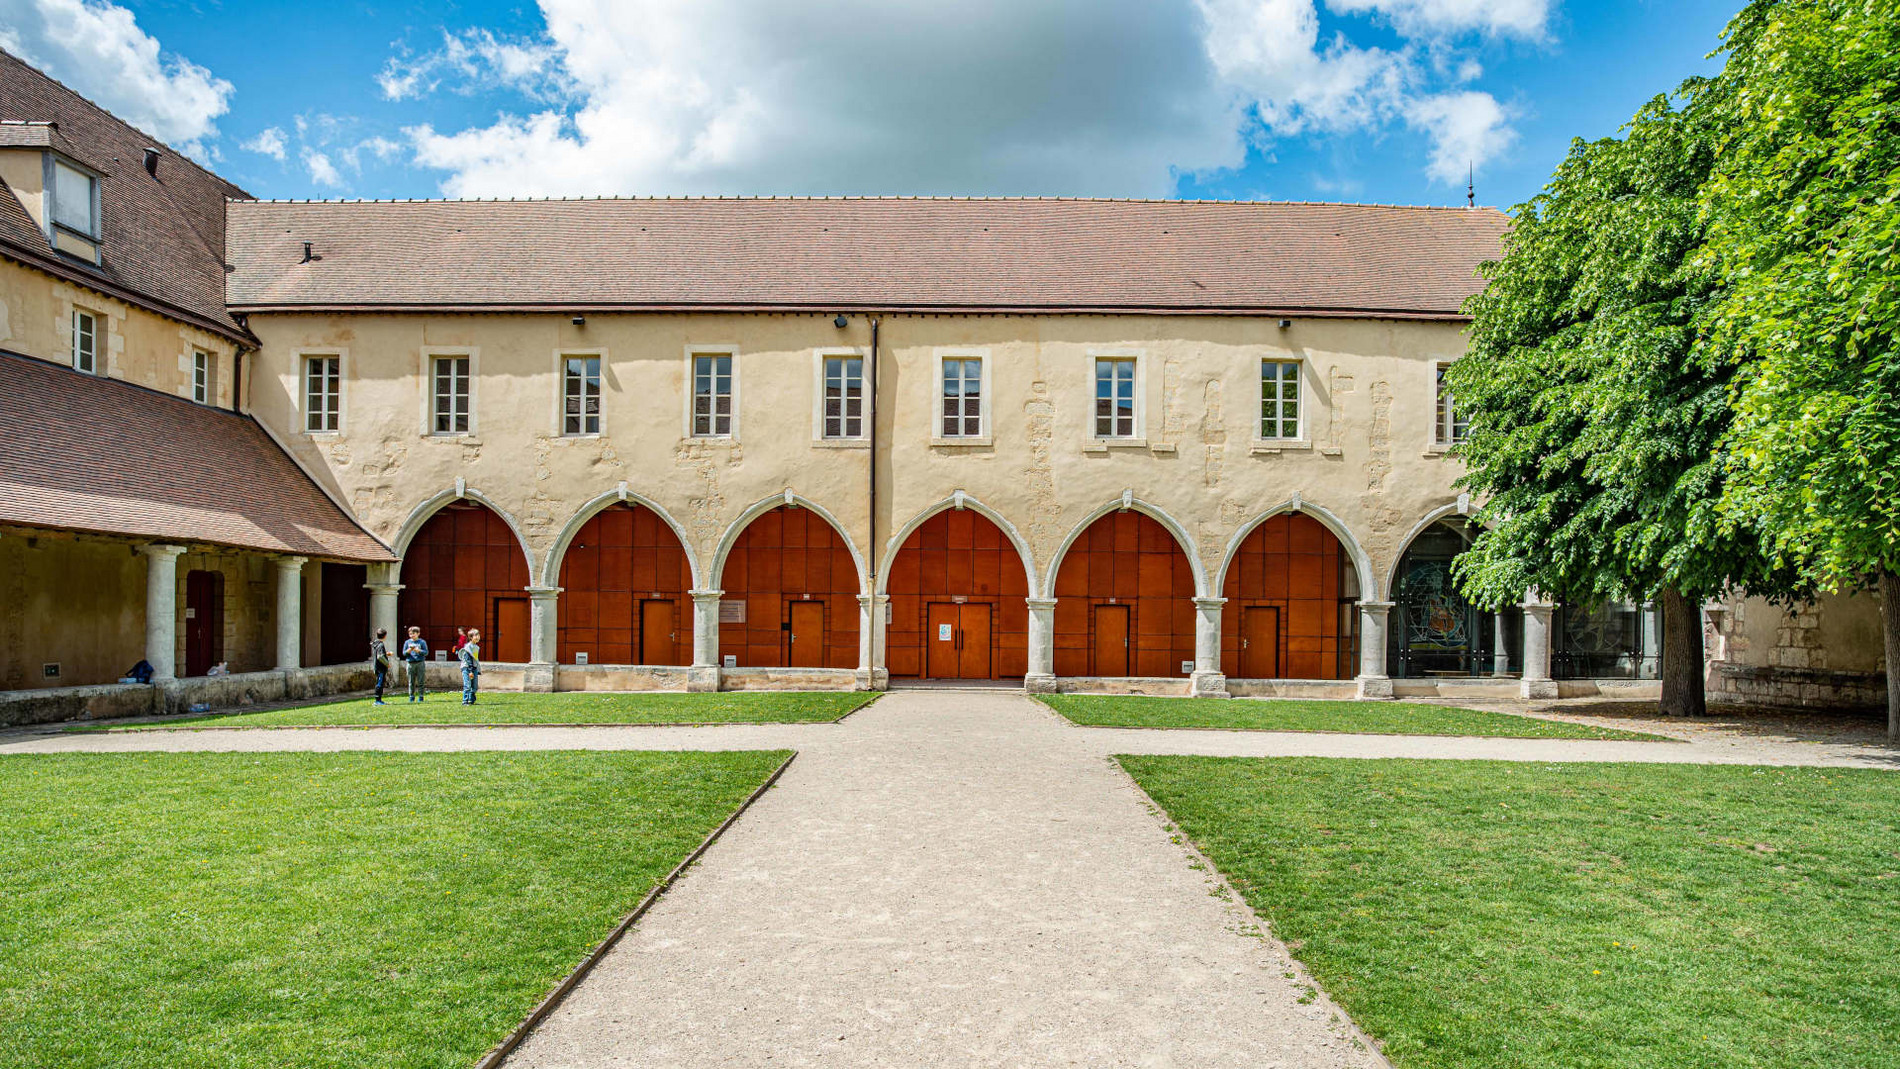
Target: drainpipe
{"points": [[871, 429]]}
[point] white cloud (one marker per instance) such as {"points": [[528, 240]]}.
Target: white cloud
{"points": [[911, 96], [322, 171], [99, 50], [270, 141], [1466, 128], [1528, 19]]}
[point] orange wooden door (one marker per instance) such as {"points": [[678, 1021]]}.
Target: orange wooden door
{"points": [[1111, 640], [509, 643], [973, 642], [1260, 642], [806, 648], [658, 636], [940, 641]]}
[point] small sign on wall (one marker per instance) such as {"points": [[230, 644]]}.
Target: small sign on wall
{"points": [[1187, 668], [50, 671], [442, 655], [732, 660], [731, 612], [191, 614], [580, 657], [943, 632]]}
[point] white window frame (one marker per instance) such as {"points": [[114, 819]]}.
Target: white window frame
{"points": [[50, 179], [1444, 412], [819, 358], [986, 398], [95, 356], [1303, 399], [693, 352], [561, 357], [430, 354], [203, 388], [1138, 436], [304, 357]]}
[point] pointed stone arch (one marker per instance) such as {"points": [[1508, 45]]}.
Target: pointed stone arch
{"points": [[1361, 562], [958, 500], [426, 510], [551, 564], [758, 508], [1134, 504]]}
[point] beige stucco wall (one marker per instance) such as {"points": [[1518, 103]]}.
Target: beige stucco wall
{"points": [[135, 345], [1366, 464], [1836, 633]]}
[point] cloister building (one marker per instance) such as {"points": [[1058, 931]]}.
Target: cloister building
{"points": [[1157, 446]]}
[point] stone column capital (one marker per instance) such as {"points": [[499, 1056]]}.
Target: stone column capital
{"points": [[161, 551], [869, 600], [384, 589], [1377, 608], [1041, 603], [542, 593], [702, 597], [1209, 603], [292, 564]]}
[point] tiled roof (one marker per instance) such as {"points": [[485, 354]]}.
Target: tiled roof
{"points": [[85, 453], [897, 253], [162, 237]]}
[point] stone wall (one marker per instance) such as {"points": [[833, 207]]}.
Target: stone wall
{"points": [[112, 700]]}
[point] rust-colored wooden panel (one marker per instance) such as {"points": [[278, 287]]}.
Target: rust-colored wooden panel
{"points": [[1111, 640], [1260, 642], [658, 643], [508, 638], [806, 646], [1157, 573], [961, 531], [583, 608], [1310, 618], [973, 655]]}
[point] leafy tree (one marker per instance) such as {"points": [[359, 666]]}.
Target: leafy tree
{"points": [[1803, 211], [1596, 407]]}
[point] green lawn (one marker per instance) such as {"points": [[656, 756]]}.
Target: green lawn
{"points": [[1483, 915], [511, 707], [313, 910], [1270, 714]]}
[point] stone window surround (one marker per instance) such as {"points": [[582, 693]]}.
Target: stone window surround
{"points": [[301, 393], [727, 349], [426, 365], [560, 393], [861, 440], [986, 402]]}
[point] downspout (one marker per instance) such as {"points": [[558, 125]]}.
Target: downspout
{"points": [[871, 552]]}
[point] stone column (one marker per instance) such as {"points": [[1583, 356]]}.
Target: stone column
{"points": [[1373, 680], [1651, 668], [383, 590], [290, 612], [543, 617], [1041, 678], [161, 609], [1207, 681], [1500, 653], [870, 674], [1537, 682], [703, 676]]}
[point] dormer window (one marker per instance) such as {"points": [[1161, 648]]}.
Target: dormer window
{"points": [[75, 200]]}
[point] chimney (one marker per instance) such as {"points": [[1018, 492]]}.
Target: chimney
{"points": [[151, 162]]}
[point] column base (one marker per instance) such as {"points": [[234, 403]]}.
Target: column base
{"points": [[538, 677], [1209, 685], [702, 679], [1039, 683], [1374, 687], [1541, 689], [872, 679]]}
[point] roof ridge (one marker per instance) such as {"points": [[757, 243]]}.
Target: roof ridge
{"points": [[880, 197], [108, 113]]}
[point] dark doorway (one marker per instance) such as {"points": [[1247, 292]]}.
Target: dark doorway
{"points": [[344, 633], [204, 621]]}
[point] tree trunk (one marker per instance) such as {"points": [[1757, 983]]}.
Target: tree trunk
{"points": [[1682, 666], [1890, 620]]}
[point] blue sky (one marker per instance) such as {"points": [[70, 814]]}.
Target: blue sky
{"points": [[1360, 100]]}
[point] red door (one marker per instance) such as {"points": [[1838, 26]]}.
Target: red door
{"points": [[806, 647], [1111, 640], [509, 643], [1260, 642], [958, 642], [658, 637], [204, 621]]}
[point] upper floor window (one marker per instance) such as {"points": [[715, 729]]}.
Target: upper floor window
{"points": [[962, 397], [323, 393], [1115, 397], [451, 395], [580, 395], [1449, 424], [712, 395], [75, 200], [203, 389], [86, 342], [1279, 399], [844, 397]]}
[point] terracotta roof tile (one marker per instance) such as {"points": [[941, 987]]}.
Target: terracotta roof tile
{"points": [[162, 237], [93, 454], [876, 252]]}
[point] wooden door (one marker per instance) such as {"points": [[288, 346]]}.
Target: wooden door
{"points": [[805, 648], [343, 632], [1260, 642], [940, 641], [659, 638], [973, 642], [204, 621], [1111, 640], [509, 642]]}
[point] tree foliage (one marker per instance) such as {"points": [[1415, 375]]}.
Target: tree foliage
{"points": [[1597, 408], [1804, 236]]}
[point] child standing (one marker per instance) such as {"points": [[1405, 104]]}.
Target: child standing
{"points": [[471, 657], [415, 656], [379, 657]]}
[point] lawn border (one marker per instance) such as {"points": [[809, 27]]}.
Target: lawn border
{"points": [[1178, 836], [1639, 736], [83, 728], [500, 1051]]}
